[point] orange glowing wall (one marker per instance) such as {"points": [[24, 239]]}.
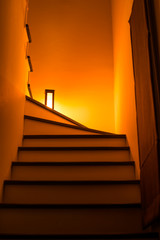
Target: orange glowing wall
{"points": [[124, 91], [13, 78], [71, 52]]}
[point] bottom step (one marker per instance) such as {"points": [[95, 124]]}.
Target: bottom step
{"points": [[134, 236], [70, 219]]}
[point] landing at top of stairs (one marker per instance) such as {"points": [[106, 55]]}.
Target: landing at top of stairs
{"points": [[37, 109]]}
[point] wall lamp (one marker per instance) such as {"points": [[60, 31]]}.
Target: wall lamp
{"points": [[49, 98]]}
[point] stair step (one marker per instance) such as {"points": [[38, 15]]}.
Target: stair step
{"points": [[72, 192], [51, 154], [132, 236], [34, 126], [74, 140], [70, 219], [73, 170], [36, 109]]}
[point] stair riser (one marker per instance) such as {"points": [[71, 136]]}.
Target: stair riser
{"points": [[34, 110], [37, 127], [72, 194], [70, 221], [73, 173], [74, 156], [114, 142]]}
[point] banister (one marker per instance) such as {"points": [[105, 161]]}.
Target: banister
{"points": [[28, 33], [29, 90], [30, 64]]}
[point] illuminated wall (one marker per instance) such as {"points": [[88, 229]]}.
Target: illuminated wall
{"points": [[71, 52], [125, 109], [13, 74]]}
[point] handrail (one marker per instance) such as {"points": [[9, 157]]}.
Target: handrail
{"points": [[28, 33], [30, 64], [29, 90], [28, 57]]}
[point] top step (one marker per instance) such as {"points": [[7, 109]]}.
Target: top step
{"points": [[36, 109], [38, 112], [40, 126]]}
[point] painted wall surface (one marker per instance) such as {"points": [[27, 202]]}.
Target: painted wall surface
{"points": [[125, 108], [157, 17], [13, 74], [71, 52], [156, 225]]}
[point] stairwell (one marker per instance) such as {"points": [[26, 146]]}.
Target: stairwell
{"points": [[70, 182]]}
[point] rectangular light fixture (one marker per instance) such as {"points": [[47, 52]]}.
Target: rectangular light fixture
{"points": [[49, 98]]}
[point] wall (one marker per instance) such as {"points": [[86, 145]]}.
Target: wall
{"points": [[157, 16], [125, 110], [156, 225], [13, 77], [71, 52]]}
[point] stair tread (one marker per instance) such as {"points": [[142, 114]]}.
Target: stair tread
{"points": [[131, 163], [37, 205], [74, 182], [72, 148], [103, 236], [73, 136]]}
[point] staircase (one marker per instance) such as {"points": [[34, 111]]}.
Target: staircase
{"points": [[70, 182]]}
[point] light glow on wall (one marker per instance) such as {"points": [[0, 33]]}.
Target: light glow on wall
{"points": [[77, 58]]}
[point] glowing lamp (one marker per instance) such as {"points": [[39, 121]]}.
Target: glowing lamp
{"points": [[49, 98]]}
